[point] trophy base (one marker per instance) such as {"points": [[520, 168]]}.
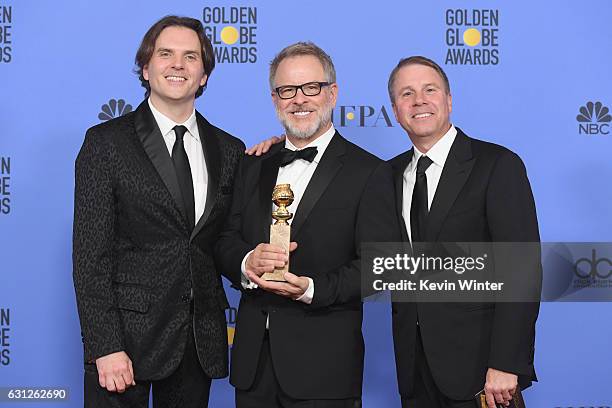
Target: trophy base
{"points": [[280, 235], [274, 276]]}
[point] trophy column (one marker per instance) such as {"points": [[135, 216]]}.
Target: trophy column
{"points": [[280, 231]]}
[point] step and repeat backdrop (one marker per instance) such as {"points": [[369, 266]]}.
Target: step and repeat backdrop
{"points": [[533, 76]]}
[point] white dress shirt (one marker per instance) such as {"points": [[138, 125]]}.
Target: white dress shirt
{"points": [[438, 154], [298, 174], [195, 154]]}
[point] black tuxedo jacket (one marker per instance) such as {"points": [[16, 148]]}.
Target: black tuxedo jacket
{"points": [[135, 258], [317, 349], [483, 196]]}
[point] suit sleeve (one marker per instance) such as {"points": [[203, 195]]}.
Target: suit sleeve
{"points": [[93, 253], [511, 216], [231, 248], [376, 222]]}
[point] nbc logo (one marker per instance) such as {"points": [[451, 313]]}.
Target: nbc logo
{"points": [[113, 109], [594, 119]]}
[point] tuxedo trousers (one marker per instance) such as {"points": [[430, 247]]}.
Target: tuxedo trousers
{"points": [[426, 393], [266, 391]]}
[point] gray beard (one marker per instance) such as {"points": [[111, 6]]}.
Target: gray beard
{"points": [[323, 118]]}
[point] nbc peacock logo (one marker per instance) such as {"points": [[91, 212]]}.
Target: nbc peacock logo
{"points": [[113, 109], [594, 119]]}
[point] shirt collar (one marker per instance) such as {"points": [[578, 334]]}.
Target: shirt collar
{"points": [[320, 143], [166, 124], [439, 151]]}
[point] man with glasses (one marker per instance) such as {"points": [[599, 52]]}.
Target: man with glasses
{"points": [[299, 343]]}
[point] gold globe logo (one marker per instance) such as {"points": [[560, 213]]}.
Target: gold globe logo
{"points": [[229, 35], [471, 37]]}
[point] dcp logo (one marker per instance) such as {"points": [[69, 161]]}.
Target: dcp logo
{"points": [[593, 268], [594, 119]]}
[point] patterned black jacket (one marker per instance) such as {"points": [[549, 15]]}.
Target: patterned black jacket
{"points": [[135, 259]]}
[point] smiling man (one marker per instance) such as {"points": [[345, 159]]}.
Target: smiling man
{"points": [[299, 343], [152, 191], [452, 188]]}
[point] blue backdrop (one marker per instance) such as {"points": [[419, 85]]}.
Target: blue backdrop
{"points": [[520, 72]]}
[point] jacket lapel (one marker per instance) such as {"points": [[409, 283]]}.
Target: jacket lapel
{"points": [[399, 166], [153, 143], [267, 181], [456, 171], [212, 158], [327, 168]]}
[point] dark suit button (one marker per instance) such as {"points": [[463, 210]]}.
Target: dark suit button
{"points": [[186, 298], [264, 312]]}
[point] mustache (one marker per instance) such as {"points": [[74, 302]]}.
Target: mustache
{"points": [[301, 108]]}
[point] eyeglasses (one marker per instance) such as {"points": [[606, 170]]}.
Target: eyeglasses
{"points": [[308, 89]]}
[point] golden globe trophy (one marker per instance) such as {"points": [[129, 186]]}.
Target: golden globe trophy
{"points": [[280, 231]]}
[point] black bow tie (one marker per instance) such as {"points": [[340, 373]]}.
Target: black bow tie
{"points": [[288, 156]]}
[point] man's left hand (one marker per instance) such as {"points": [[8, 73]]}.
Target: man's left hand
{"points": [[499, 387], [293, 288]]}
